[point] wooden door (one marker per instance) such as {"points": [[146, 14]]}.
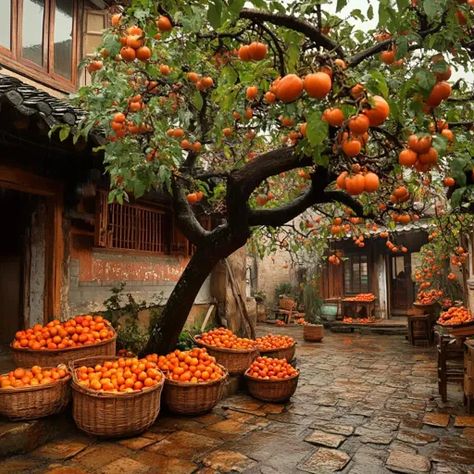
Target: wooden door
{"points": [[10, 296], [13, 208], [401, 284]]}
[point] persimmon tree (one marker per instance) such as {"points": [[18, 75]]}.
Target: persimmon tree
{"points": [[258, 115]]}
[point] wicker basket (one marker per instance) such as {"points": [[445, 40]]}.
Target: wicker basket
{"points": [[272, 390], [110, 414], [313, 332], [287, 353], [52, 357], [187, 398], [30, 403], [236, 361], [288, 304]]}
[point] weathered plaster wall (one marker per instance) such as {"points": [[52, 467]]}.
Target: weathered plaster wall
{"points": [[222, 291], [94, 272], [35, 296], [272, 271]]}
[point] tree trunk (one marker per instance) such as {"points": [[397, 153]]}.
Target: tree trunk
{"points": [[165, 333]]}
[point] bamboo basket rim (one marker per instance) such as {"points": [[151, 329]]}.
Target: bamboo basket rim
{"points": [[103, 394], [263, 351], [65, 349], [33, 388], [198, 341], [272, 381], [199, 384]]}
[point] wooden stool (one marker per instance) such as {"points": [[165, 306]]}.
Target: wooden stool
{"points": [[420, 329], [450, 363]]}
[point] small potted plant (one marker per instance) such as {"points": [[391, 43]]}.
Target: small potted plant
{"points": [[313, 330]]}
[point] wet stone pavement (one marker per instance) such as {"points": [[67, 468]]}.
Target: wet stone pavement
{"points": [[364, 404]]}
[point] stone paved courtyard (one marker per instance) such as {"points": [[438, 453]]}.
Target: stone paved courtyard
{"points": [[365, 404]]}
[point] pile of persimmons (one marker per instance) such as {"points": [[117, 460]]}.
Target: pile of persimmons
{"points": [[20, 377], [123, 375], [225, 338], [268, 368], [428, 297], [455, 316], [271, 342], [193, 366], [78, 331], [366, 297]]}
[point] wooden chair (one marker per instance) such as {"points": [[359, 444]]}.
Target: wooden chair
{"points": [[450, 363]]}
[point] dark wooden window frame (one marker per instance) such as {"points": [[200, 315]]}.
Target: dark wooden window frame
{"points": [[170, 240], [12, 58], [349, 261]]}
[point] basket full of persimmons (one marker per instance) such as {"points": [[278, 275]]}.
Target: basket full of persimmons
{"points": [[194, 380], [233, 352], [271, 380], [28, 394], [115, 396], [61, 342], [276, 346]]}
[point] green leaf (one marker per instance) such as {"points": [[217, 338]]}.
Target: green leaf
{"points": [[457, 196], [370, 12], [139, 188], [235, 6], [425, 80], [214, 13], [402, 47], [402, 5], [317, 129], [197, 100], [340, 5], [64, 133], [458, 166], [431, 8], [377, 83]]}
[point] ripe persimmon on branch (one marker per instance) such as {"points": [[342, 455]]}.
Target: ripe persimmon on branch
{"points": [[261, 115]]}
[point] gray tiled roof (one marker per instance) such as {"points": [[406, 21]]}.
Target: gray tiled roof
{"points": [[30, 101]]}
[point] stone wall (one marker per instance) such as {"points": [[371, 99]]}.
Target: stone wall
{"points": [[272, 271]]}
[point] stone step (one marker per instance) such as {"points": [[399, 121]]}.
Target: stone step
{"points": [[24, 436]]}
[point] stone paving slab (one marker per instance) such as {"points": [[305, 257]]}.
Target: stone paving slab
{"points": [[365, 404]]}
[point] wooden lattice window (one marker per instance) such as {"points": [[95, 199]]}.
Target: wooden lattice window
{"points": [[356, 274], [133, 227]]}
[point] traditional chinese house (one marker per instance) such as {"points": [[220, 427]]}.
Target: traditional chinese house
{"points": [[375, 269], [62, 246]]}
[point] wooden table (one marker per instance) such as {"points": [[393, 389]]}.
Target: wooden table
{"points": [[356, 306]]}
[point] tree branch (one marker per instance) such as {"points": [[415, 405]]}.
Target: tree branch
{"points": [[293, 23], [346, 199], [281, 215], [188, 224], [315, 195], [379, 47], [265, 165]]}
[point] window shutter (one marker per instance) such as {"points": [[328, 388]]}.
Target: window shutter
{"points": [[95, 22]]}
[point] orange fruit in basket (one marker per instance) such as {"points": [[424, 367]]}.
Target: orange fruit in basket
{"points": [[225, 338], [119, 376], [30, 377], [192, 366], [78, 331], [269, 368], [271, 342]]}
